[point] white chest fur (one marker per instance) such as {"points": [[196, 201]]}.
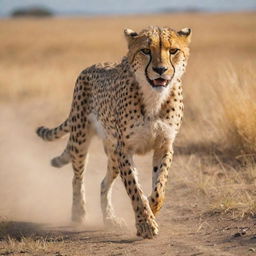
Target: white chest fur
{"points": [[145, 136], [153, 98]]}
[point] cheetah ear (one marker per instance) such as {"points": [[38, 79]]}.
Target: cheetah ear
{"points": [[186, 33], [130, 34]]}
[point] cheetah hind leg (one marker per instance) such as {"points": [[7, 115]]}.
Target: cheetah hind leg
{"points": [[109, 217]]}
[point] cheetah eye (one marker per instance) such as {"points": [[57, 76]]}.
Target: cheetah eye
{"points": [[146, 51], [174, 51]]}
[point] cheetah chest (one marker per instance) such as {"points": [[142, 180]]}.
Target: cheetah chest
{"points": [[144, 137], [141, 138]]}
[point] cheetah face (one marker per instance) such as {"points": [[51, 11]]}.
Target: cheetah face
{"points": [[158, 55]]}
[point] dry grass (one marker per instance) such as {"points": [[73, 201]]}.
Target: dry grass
{"points": [[11, 245], [226, 107], [40, 59], [238, 120], [219, 188], [21, 238], [31, 246], [230, 191]]}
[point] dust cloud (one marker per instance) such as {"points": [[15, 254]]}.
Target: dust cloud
{"points": [[31, 190]]}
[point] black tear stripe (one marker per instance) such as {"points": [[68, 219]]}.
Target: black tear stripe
{"points": [[146, 70], [173, 68], [173, 65], [160, 44]]}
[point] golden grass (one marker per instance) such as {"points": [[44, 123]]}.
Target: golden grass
{"points": [[237, 201], [25, 245], [219, 188], [231, 191], [45, 55], [18, 238], [31, 245], [239, 107], [40, 59], [224, 108]]}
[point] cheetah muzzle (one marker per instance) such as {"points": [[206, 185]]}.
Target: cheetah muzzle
{"points": [[134, 106]]}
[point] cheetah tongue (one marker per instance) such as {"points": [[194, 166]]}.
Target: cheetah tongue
{"points": [[160, 82]]}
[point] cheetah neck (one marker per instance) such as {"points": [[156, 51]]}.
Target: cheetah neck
{"points": [[153, 99]]}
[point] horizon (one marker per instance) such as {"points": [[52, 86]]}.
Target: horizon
{"points": [[114, 7]]}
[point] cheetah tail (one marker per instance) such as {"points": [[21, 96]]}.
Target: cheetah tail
{"points": [[55, 133], [61, 160]]}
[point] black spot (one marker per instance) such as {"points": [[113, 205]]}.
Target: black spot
{"points": [[133, 34]]}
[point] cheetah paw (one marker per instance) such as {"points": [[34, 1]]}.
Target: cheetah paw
{"points": [[147, 228]]}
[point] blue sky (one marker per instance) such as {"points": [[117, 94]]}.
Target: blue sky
{"points": [[126, 6]]}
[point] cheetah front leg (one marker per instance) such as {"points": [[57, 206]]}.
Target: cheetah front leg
{"points": [[162, 160], [145, 219]]}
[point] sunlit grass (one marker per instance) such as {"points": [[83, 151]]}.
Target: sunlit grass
{"points": [[237, 122], [26, 244], [227, 190]]}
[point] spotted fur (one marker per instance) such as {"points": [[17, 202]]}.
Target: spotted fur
{"points": [[134, 106]]}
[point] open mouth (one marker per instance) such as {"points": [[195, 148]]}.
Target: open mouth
{"points": [[160, 82]]}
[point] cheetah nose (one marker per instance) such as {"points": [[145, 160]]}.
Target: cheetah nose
{"points": [[160, 70]]}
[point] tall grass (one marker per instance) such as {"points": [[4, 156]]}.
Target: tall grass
{"points": [[221, 104], [223, 108], [237, 99]]}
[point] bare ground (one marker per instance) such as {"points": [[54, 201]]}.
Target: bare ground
{"points": [[38, 224], [183, 231]]}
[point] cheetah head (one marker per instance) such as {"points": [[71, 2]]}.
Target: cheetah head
{"points": [[158, 55]]}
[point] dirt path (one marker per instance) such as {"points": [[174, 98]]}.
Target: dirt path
{"points": [[184, 230]]}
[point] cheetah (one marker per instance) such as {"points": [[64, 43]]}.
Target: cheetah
{"points": [[134, 106]]}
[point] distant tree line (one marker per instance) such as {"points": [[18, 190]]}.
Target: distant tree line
{"points": [[32, 12]]}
